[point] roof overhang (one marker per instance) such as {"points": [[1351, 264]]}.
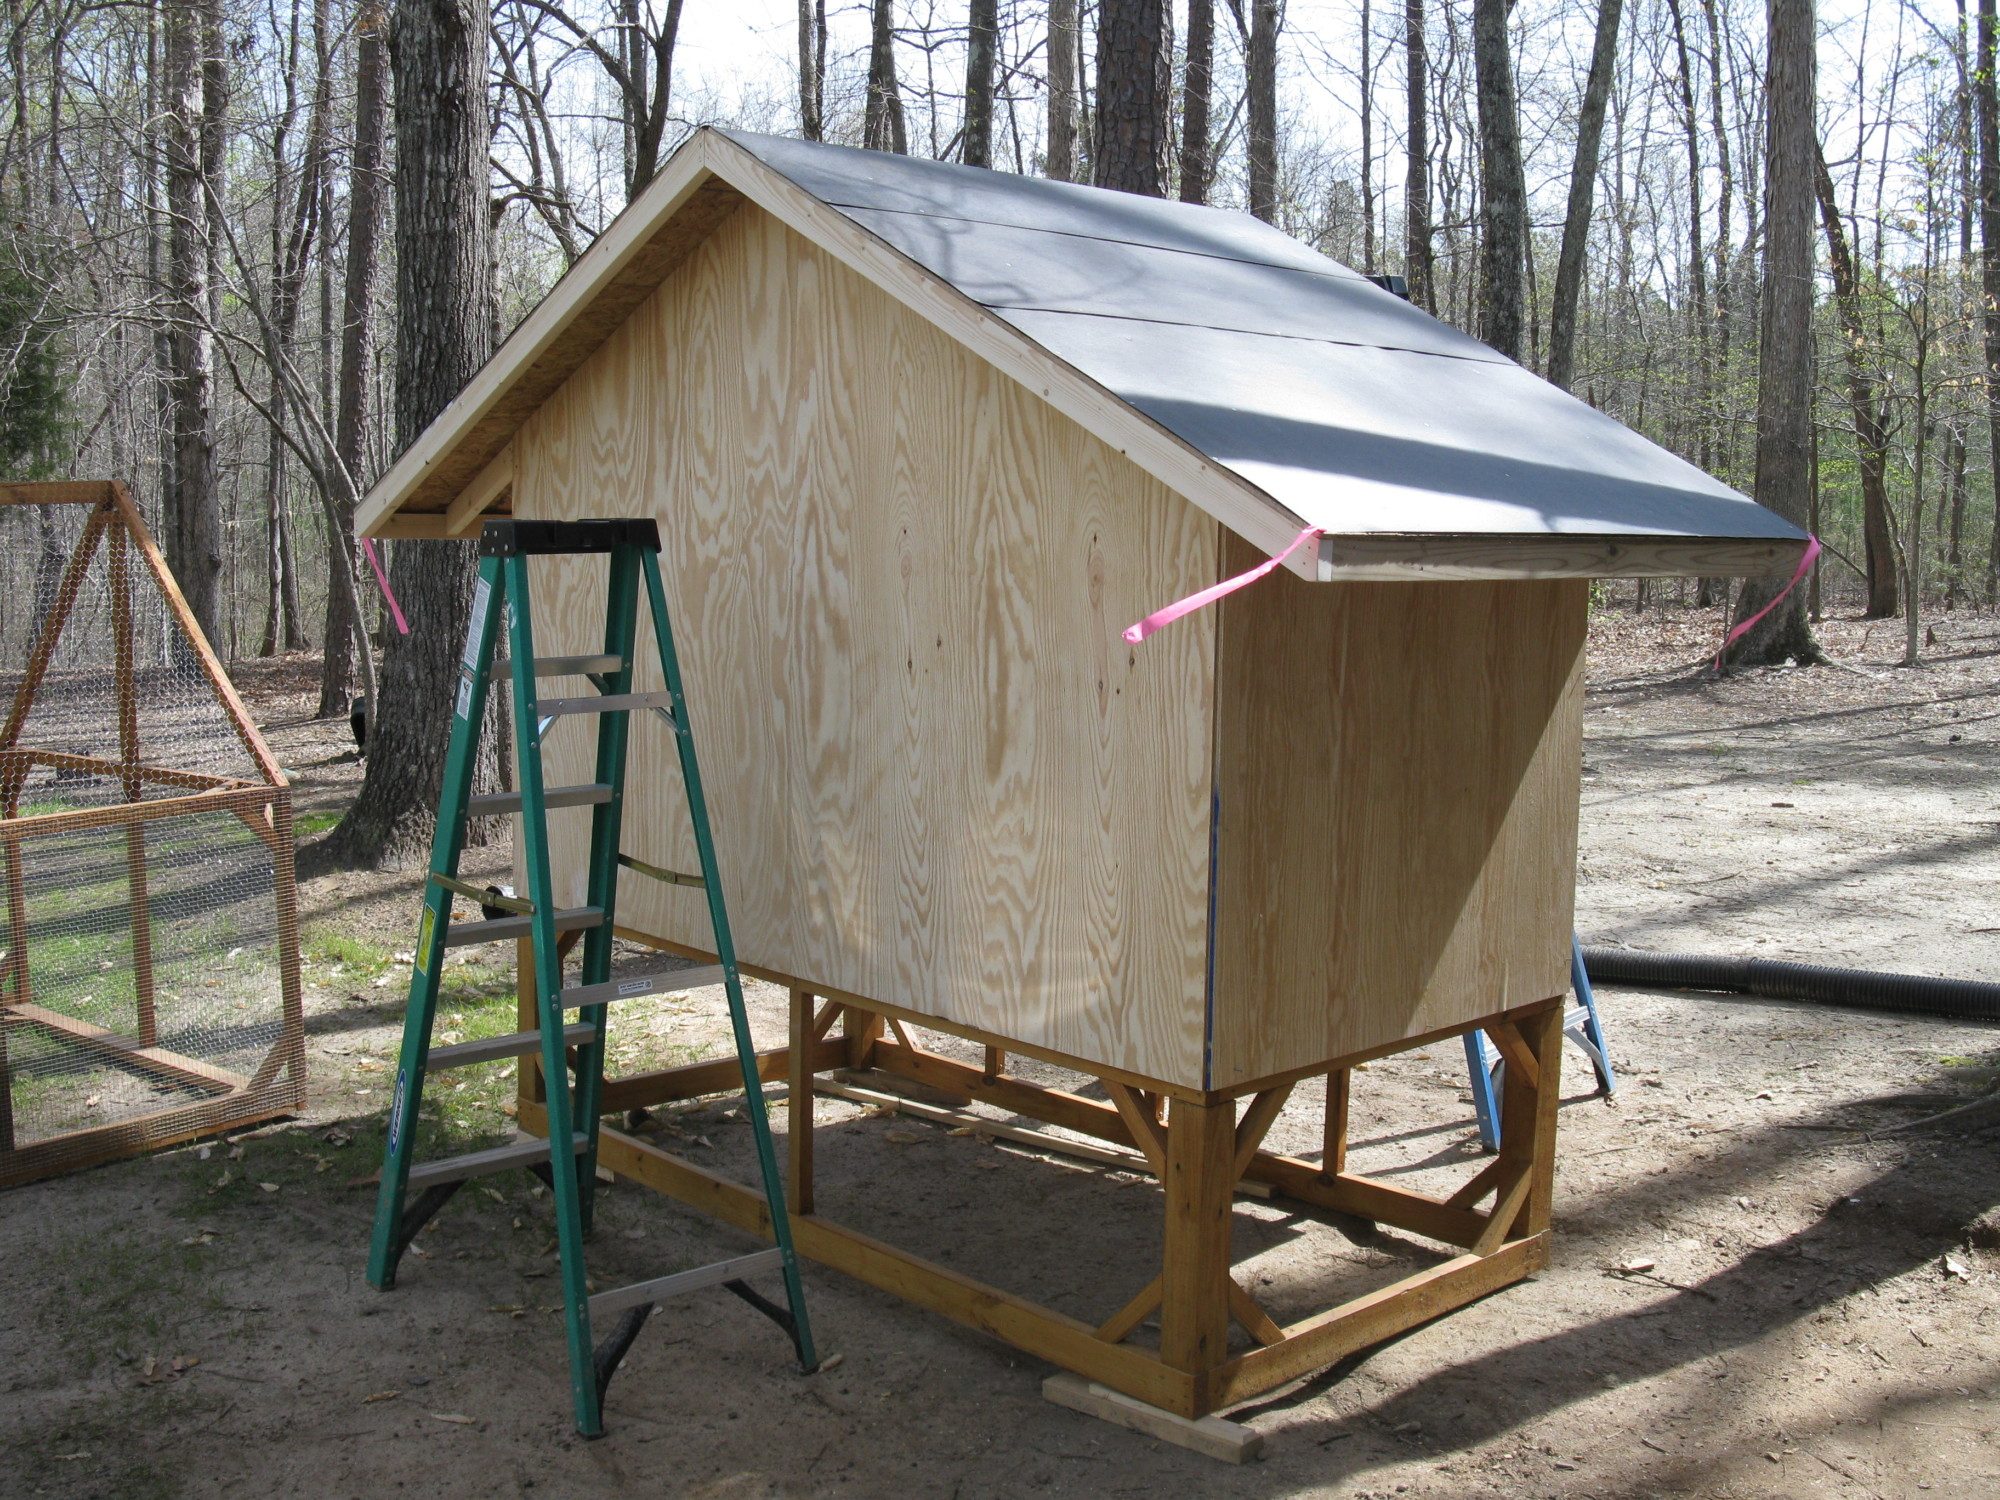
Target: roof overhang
{"points": [[459, 470]]}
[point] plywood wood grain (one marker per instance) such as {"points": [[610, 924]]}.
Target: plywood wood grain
{"points": [[937, 776], [1397, 769]]}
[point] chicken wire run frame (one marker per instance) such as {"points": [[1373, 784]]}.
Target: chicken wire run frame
{"points": [[180, 1016]]}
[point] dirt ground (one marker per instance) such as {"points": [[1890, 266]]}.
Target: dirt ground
{"points": [[1819, 1312]]}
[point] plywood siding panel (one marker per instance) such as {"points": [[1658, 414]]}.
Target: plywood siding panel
{"points": [[938, 777], [1397, 773]]}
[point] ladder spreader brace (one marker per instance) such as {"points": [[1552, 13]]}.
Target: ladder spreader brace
{"points": [[573, 1106]]}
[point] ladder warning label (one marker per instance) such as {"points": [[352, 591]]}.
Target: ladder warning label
{"points": [[424, 939], [464, 709], [634, 986], [482, 596]]}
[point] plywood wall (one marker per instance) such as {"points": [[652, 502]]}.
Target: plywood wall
{"points": [[938, 777], [1397, 773]]}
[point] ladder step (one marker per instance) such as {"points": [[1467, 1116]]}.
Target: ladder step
{"points": [[513, 1044], [568, 919], [563, 666], [499, 804], [486, 1163], [665, 982], [641, 1292], [603, 703]]}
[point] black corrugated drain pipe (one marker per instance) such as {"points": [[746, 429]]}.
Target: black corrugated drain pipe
{"points": [[1770, 979]]}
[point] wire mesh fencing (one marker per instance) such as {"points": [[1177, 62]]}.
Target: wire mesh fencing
{"points": [[149, 987]]}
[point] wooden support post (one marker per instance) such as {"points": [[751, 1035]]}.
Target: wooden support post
{"points": [[1528, 1115], [125, 683], [996, 1064], [862, 1030], [529, 1086], [285, 893], [799, 1106], [1194, 1274], [1333, 1149]]}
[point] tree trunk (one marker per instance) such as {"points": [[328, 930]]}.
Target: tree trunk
{"points": [[882, 123], [1989, 259], [1784, 356], [1367, 139], [1871, 440], [1135, 80], [1062, 90], [1262, 69], [982, 38], [812, 69], [1417, 256], [1697, 310], [1503, 192], [193, 517], [1195, 96], [437, 51], [1582, 190], [345, 632], [650, 95]]}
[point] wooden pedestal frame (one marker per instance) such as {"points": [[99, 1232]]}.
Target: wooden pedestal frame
{"points": [[1198, 1144]]}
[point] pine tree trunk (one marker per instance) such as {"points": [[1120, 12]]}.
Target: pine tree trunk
{"points": [[437, 51], [1195, 97], [1135, 62], [1582, 191], [1262, 68], [344, 629], [1417, 255], [1503, 190], [1784, 356], [1062, 90], [982, 38]]}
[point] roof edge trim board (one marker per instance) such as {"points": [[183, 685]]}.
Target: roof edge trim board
{"points": [[1392, 558], [536, 337], [1169, 458]]}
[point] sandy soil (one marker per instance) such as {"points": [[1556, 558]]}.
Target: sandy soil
{"points": [[1821, 1312]]}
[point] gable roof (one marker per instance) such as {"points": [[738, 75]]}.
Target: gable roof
{"points": [[1272, 387]]}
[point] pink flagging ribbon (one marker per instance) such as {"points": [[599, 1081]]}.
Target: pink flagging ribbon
{"points": [[375, 562], [1805, 563], [1172, 612]]}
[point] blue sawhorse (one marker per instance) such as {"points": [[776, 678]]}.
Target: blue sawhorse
{"points": [[1580, 1025]]}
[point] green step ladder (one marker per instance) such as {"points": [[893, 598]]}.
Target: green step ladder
{"points": [[573, 1108]]}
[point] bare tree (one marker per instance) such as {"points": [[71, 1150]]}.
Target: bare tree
{"points": [[982, 38], [1503, 186], [443, 325], [192, 132], [1867, 409], [1582, 190], [345, 634], [812, 69], [882, 122], [1785, 353], [1988, 111]]}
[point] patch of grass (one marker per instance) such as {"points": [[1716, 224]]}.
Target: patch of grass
{"points": [[305, 825], [353, 956]]}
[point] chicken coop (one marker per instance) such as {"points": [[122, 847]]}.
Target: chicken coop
{"points": [[149, 986], [922, 441]]}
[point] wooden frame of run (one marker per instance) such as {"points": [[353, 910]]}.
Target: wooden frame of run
{"points": [[277, 1087], [1199, 1145]]}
